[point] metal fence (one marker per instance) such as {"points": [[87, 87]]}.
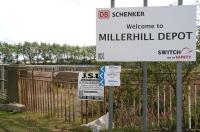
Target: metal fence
{"points": [[56, 96]]}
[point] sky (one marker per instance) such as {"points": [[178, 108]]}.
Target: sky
{"points": [[70, 22]]}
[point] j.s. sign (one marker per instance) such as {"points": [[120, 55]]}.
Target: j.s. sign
{"points": [[146, 34]]}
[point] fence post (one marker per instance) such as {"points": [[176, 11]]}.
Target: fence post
{"points": [[69, 103], [81, 112], [86, 105], [170, 104], [73, 106], [65, 98], [2, 79], [54, 100], [158, 104], [189, 106], [164, 105], [195, 105]]}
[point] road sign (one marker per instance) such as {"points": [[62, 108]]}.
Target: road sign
{"points": [[146, 34], [88, 86]]}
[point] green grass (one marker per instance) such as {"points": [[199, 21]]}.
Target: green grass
{"points": [[29, 122], [123, 130]]}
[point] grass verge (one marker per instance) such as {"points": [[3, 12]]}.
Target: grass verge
{"points": [[26, 122]]}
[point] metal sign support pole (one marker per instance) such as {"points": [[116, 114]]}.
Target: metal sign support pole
{"points": [[145, 103], [145, 97], [110, 108], [111, 93], [179, 112]]}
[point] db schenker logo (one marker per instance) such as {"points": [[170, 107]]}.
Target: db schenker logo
{"points": [[104, 14]]}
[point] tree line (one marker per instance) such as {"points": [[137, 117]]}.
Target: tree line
{"points": [[45, 53]]}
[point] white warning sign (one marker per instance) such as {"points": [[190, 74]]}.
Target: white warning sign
{"points": [[88, 86]]}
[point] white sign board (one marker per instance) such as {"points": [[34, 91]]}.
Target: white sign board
{"points": [[88, 86], [112, 69], [112, 79], [146, 34], [109, 75]]}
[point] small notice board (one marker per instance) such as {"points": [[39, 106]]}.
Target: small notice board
{"points": [[88, 86]]}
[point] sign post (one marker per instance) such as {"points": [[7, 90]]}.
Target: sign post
{"points": [[110, 76], [111, 93], [110, 109], [179, 112], [145, 103]]}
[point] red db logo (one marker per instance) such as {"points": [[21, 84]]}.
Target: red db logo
{"points": [[104, 14]]}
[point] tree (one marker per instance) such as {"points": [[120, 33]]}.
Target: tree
{"points": [[65, 51], [91, 52], [30, 51], [17, 52], [44, 52], [57, 52], [7, 53]]}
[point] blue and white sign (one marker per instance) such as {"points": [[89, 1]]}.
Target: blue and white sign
{"points": [[101, 76], [109, 75]]}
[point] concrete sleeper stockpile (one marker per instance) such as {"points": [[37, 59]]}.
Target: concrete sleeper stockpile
{"points": [[13, 107]]}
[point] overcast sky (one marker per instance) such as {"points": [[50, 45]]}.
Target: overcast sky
{"points": [[60, 21]]}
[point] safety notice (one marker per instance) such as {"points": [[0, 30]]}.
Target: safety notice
{"points": [[88, 86]]}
